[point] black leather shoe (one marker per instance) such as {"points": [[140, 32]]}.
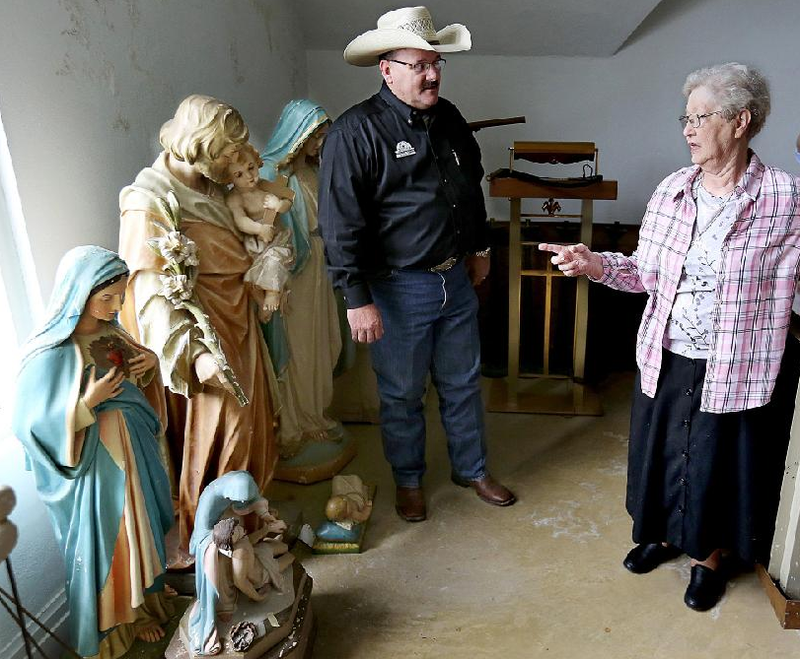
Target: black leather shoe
{"points": [[705, 588], [645, 558]]}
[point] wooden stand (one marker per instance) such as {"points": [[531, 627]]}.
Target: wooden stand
{"points": [[788, 611], [545, 392]]}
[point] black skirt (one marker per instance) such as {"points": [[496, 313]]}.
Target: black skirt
{"points": [[704, 481]]}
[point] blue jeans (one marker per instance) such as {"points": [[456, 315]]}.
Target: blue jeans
{"points": [[430, 326]]}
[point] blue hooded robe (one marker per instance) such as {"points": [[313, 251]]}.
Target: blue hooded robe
{"points": [[235, 487], [298, 121], [82, 486]]}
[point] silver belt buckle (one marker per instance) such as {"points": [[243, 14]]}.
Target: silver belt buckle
{"points": [[445, 266]]}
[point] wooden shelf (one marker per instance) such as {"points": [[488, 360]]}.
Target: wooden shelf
{"points": [[511, 188], [554, 152]]}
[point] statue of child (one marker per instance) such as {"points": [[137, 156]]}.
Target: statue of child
{"points": [[349, 500], [255, 204]]}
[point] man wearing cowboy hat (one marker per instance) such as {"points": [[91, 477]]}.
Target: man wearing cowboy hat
{"points": [[403, 218]]}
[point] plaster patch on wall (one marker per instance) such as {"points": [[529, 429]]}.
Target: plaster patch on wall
{"points": [[121, 123], [108, 76], [262, 8], [133, 12], [237, 72], [67, 66], [102, 71], [95, 65], [296, 74], [78, 29]]}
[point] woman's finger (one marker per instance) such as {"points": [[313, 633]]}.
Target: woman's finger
{"points": [[549, 247]]}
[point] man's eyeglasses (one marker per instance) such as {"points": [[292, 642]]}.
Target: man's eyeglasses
{"points": [[422, 67], [696, 120]]}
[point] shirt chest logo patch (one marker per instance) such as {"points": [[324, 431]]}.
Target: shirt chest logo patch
{"points": [[403, 150]]}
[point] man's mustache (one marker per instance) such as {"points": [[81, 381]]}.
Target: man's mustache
{"points": [[430, 84]]}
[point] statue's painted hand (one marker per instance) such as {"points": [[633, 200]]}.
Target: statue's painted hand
{"points": [[272, 301], [574, 260], [208, 372], [142, 363], [366, 325], [97, 391]]}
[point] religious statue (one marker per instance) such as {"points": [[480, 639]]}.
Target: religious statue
{"points": [[229, 560], [255, 204], [187, 300], [347, 510], [90, 412], [8, 530], [256, 562], [304, 336]]}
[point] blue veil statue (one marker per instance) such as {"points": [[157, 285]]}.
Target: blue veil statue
{"points": [[83, 483], [79, 272], [234, 488], [298, 121]]}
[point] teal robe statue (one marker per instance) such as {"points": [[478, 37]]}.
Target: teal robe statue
{"points": [[236, 488], [86, 490]]}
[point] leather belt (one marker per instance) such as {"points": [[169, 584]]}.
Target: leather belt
{"points": [[445, 265]]}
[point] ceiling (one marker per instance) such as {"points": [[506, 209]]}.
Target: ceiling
{"points": [[590, 28]]}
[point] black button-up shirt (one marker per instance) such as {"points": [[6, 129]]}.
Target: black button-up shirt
{"points": [[399, 188]]}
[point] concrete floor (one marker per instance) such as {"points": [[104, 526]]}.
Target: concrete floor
{"points": [[542, 578]]}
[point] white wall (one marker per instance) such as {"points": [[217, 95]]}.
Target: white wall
{"points": [[627, 104], [84, 89], [85, 86]]}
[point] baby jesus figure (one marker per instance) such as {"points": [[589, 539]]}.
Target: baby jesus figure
{"points": [[349, 502], [348, 510], [256, 204]]}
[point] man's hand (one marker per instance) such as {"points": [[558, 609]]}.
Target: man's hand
{"points": [[366, 325], [574, 260], [477, 268]]}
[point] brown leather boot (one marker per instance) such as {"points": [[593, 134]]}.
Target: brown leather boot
{"points": [[410, 504], [489, 490]]}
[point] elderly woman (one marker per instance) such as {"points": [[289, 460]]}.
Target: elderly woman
{"points": [[718, 256]]}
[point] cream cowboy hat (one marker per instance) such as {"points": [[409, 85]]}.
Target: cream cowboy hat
{"points": [[408, 27]]}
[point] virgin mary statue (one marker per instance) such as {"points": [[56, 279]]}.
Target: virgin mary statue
{"points": [[89, 411], [305, 337]]}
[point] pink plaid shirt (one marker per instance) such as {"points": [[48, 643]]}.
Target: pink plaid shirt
{"points": [[756, 282]]}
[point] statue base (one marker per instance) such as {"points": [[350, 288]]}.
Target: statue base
{"points": [[293, 638], [318, 461]]}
